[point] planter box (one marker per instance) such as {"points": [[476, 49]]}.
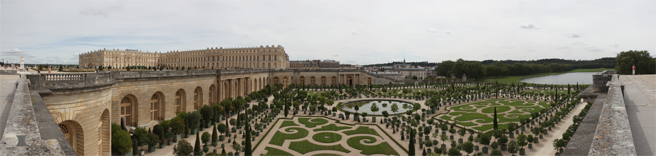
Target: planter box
{"points": [[194, 130], [152, 148], [177, 137], [504, 147], [206, 148], [170, 142], [484, 150], [208, 124]]}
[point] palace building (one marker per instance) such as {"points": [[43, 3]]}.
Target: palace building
{"points": [[262, 57]]}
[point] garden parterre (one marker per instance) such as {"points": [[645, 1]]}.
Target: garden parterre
{"points": [[479, 115]]}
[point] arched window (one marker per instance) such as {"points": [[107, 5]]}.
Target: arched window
{"points": [[334, 80], [154, 108], [323, 80], [312, 81], [126, 110], [198, 98], [179, 100]]}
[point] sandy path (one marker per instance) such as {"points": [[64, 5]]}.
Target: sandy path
{"points": [[546, 144]]}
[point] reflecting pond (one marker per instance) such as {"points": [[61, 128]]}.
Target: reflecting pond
{"points": [[383, 105], [563, 79]]}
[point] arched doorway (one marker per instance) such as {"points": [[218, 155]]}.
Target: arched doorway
{"points": [[212, 94], [369, 81], [285, 81], [301, 80], [156, 107], [198, 98], [105, 127], [275, 80], [180, 101], [74, 134], [349, 80], [226, 90], [334, 80], [323, 80], [313, 81]]}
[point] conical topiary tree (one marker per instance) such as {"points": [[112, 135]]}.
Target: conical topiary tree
{"points": [[496, 126], [197, 145], [215, 137]]}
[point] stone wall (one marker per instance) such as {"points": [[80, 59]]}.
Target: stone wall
{"points": [[87, 102]]}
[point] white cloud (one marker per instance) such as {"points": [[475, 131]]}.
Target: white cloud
{"points": [[615, 45], [17, 53], [359, 31], [574, 35], [528, 25]]}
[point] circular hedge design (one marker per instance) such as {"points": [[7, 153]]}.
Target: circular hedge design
{"points": [[327, 137]]}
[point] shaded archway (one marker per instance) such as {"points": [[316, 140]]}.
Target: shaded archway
{"points": [[212, 94], [313, 81], [323, 80], [285, 82], [198, 98], [301, 80], [157, 107], [128, 113], [334, 80], [74, 134], [369, 81], [180, 101], [105, 126], [275, 80], [349, 80]]}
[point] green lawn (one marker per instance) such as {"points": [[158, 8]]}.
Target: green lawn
{"points": [[362, 130], [382, 148], [312, 123], [500, 109], [279, 138], [275, 152], [326, 154], [327, 137], [465, 117], [515, 79], [288, 123], [306, 147], [331, 127]]}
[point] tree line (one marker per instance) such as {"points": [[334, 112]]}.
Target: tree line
{"points": [[643, 62], [477, 70]]}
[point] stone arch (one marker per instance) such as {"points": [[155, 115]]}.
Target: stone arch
{"points": [[128, 110], [313, 81], [74, 134], [105, 138], [323, 80], [212, 94], [333, 80], [276, 80], [285, 81], [157, 106], [180, 101], [226, 90], [301, 80], [198, 98], [349, 80]]}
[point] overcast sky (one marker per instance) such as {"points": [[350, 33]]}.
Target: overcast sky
{"points": [[355, 32]]}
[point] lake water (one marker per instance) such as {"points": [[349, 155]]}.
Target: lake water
{"points": [[383, 105], [566, 78]]}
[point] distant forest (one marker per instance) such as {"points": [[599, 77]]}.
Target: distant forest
{"points": [[606, 62]]}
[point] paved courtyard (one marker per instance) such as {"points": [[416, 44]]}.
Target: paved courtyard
{"points": [[640, 99]]}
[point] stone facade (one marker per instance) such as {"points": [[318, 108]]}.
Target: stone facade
{"points": [[87, 103], [262, 57]]}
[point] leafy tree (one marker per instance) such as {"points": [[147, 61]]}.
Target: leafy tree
{"points": [[221, 127], [236, 146], [444, 68], [208, 113], [193, 119], [206, 137], [454, 151], [521, 141], [395, 108], [121, 140], [494, 145], [643, 62], [227, 108], [513, 147], [503, 139], [443, 138], [530, 138], [468, 147], [496, 152], [374, 108], [183, 148]]}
